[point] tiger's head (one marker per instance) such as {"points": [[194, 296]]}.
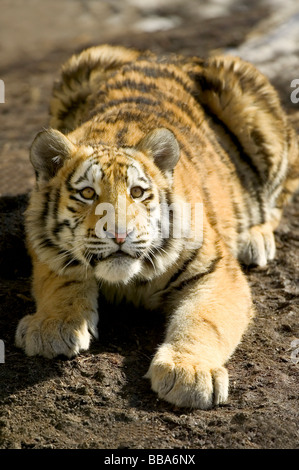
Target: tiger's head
{"points": [[99, 208]]}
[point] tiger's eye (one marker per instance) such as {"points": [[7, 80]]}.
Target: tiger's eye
{"points": [[137, 192], [87, 193]]}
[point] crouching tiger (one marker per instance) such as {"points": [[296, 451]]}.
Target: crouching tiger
{"points": [[154, 132]]}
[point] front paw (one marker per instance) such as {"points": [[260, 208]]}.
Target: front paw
{"points": [[51, 336], [182, 381]]}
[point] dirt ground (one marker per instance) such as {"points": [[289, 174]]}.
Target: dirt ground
{"points": [[100, 399]]}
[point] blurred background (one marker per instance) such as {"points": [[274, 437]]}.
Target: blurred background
{"points": [[36, 37]]}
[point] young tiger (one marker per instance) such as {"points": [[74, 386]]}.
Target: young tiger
{"points": [[129, 129]]}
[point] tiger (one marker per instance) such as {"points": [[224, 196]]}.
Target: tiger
{"points": [[160, 133]]}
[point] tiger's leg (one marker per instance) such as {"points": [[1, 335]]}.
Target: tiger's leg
{"points": [[206, 325], [66, 316], [257, 244]]}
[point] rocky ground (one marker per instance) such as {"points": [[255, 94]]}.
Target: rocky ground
{"points": [[100, 399]]}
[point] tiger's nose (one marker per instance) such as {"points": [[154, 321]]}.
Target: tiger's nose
{"points": [[119, 237]]}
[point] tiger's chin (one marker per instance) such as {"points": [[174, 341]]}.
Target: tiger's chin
{"points": [[118, 270]]}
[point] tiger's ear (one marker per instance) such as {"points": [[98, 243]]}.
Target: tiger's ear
{"points": [[48, 153], [163, 147]]}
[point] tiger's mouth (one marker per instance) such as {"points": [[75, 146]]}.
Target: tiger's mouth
{"points": [[118, 255]]}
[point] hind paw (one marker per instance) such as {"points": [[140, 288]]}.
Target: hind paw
{"points": [[257, 246]]}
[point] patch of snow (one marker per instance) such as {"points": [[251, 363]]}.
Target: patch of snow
{"points": [[157, 23]]}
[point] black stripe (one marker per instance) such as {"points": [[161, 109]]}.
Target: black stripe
{"points": [[208, 83], [131, 85], [278, 176], [183, 268], [76, 199], [67, 284], [232, 172], [138, 242], [141, 178], [210, 212], [156, 71], [84, 176], [155, 104], [72, 263], [96, 242], [68, 185], [69, 262], [160, 250], [120, 136], [238, 214], [153, 119], [243, 155], [149, 198], [251, 183], [169, 201], [70, 283], [197, 277], [259, 140], [71, 209], [140, 100], [200, 165], [55, 211], [93, 260], [248, 81], [153, 70], [127, 115], [60, 226], [214, 328], [55, 199], [45, 207], [47, 243], [111, 163], [215, 85]]}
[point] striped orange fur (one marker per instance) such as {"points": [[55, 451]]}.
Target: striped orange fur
{"points": [[130, 129]]}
